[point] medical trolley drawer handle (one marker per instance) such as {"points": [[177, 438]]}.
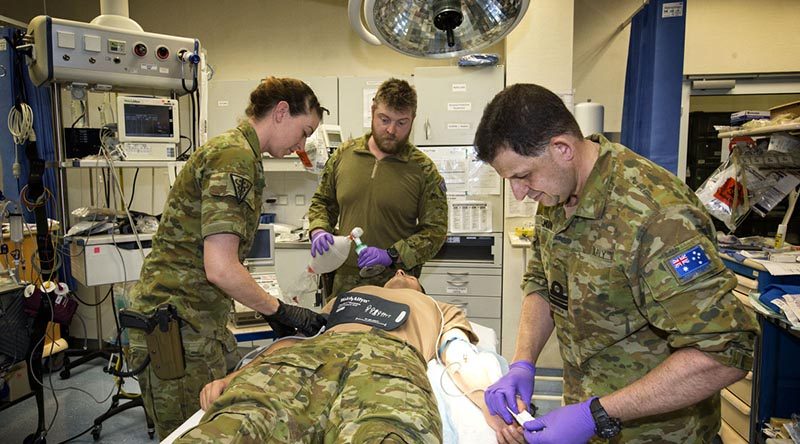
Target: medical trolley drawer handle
{"points": [[427, 129], [458, 273], [458, 283]]}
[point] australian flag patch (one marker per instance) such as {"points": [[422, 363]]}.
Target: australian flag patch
{"points": [[689, 264]]}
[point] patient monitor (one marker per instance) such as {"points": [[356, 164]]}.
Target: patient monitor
{"points": [[148, 127]]}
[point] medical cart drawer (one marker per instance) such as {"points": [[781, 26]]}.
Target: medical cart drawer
{"points": [[729, 436], [461, 283], [743, 388], [484, 307], [493, 323], [735, 412]]}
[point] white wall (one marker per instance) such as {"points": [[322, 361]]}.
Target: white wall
{"points": [[742, 36], [248, 39], [539, 51], [601, 54]]}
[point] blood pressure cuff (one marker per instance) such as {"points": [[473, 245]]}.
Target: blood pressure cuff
{"points": [[367, 309]]}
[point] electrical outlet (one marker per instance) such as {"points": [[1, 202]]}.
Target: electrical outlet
{"points": [[283, 199], [299, 199]]}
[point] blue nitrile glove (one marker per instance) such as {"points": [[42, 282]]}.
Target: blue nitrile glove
{"points": [[502, 393], [374, 256], [321, 242], [571, 424]]}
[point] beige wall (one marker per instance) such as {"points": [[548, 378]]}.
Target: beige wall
{"points": [[742, 36], [601, 55], [538, 51], [248, 39]]}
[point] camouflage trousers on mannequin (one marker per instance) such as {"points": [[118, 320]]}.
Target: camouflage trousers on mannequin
{"points": [[364, 387], [171, 402]]}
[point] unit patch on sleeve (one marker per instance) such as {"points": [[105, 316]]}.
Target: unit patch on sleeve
{"points": [[241, 186], [689, 264]]}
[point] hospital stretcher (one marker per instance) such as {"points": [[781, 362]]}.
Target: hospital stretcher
{"points": [[462, 421]]}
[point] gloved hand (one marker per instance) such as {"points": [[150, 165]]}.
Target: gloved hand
{"points": [[502, 393], [374, 256], [303, 320], [571, 424], [321, 242]]}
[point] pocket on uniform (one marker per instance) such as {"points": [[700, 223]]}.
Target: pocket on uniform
{"points": [[392, 369]]}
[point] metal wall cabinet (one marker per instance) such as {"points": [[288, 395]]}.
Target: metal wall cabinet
{"points": [[451, 100], [228, 100], [470, 277], [355, 103]]}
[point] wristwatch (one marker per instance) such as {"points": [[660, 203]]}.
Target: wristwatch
{"points": [[605, 426], [393, 254]]}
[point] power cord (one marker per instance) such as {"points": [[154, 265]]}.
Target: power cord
{"points": [[20, 124]]}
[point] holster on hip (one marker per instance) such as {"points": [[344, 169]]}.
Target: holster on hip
{"points": [[162, 333]]}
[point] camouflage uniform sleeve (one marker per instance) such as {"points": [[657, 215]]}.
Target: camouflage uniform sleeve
{"points": [[534, 279], [423, 245], [686, 290], [323, 212], [229, 198]]}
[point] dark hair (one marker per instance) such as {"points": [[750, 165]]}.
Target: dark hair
{"points": [[398, 95], [523, 117], [270, 91]]}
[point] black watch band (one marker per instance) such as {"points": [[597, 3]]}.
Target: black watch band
{"points": [[393, 254], [605, 426]]}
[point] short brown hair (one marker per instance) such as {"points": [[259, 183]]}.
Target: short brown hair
{"points": [[270, 91], [523, 117], [398, 95]]}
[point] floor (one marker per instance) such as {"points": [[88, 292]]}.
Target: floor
{"points": [[77, 410]]}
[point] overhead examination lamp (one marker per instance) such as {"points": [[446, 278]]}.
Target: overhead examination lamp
{"points": [[435, 28]]}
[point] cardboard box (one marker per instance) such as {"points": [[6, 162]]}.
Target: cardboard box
{"points": [[15, 382], [791, 107], [738, 118]]}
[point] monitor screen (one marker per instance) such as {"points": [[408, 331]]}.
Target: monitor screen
{"points": [[263, 250], [148, 120]]}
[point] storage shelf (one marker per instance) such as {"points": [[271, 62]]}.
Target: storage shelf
{"points": [[97, 163], [760, 131]]}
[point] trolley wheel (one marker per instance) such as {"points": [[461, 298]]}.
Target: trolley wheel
{"points": [[96, 431], [64, 373], [151, 434]]}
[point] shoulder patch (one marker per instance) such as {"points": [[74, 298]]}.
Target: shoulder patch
{"points": [[241, 186], [443, 186], [689, 264]]}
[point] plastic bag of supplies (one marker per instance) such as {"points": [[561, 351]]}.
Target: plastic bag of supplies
{"points": [[724, 193]]}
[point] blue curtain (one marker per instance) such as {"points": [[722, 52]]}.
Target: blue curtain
{"points": [[16, 85], [652, 103]]}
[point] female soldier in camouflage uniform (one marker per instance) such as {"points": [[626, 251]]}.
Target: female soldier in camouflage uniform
{"points": [[208, 225]]}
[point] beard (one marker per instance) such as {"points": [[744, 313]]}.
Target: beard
{"points": [[387, 143]]}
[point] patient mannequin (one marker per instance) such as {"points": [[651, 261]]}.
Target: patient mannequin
{"points": [[356, 382]]}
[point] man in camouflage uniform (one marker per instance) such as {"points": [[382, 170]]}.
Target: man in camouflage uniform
{"points": [[624, 267], [208, 225], [385, 185], [354, 383]]}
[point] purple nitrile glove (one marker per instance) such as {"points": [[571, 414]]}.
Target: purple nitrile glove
{"points": [[502, 393], [571, 424], [321, 241], [374, 256]]}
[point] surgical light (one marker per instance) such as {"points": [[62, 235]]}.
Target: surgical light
{"points": [[438, 28]]}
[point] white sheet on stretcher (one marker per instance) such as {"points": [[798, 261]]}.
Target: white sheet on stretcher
{"points": [[462, 421]]}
